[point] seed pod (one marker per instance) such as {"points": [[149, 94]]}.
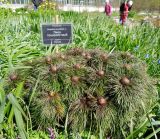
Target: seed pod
{"points": [[102, 101], [100, 73], [103, 57], [75, 79], [84, 54], [48, 59], [94, 52], [51, 94], [30, 62], [62, 57], [127, 66], [127, 55], [53, 68], [125, 81], [77, 66], [88, 56], [13, 77], [77, 51]]}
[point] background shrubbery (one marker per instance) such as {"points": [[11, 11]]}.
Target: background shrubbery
{"points": [[146, 5], [141, 5]]}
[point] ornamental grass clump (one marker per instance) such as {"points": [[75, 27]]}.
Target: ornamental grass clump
{"points": [[94, 89]]}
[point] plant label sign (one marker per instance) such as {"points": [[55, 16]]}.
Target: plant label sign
{"points": [[57, 33]]}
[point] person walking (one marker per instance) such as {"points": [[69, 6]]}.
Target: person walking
{"points": [[108, 8], [36, 3], [125, 7]]}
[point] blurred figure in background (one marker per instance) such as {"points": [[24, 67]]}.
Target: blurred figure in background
{"points": [[129, 3], [36, 3], [108, 8], [125, 7]]}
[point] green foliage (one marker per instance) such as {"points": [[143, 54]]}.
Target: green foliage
{"points": [[103, 90], [2, 103], [132, 14], [5, 1], [11, 108], [38, 135], [5, 12], [21, 41], [23, 10]]}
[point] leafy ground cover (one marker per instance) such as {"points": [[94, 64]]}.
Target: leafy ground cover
{"points": [[20, 41]]}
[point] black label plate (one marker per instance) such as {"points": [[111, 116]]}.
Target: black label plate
{"points": [[57, 33]]}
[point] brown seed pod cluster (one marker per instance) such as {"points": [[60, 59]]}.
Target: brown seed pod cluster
{"points": [[83, 54], [125, 81], [75, 79], [51, 94], [48, 59], [102, 101], [77, 66], [100, 73], [53, 68], [13, 77], [61, 56], [104, 57], [88, 56], [75, 51], [127, 66], [127, 55], [110, 81]]}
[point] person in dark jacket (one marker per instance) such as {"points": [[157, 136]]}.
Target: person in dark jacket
{"points": [[36, 3]]}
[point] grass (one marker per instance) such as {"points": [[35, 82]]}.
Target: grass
{"points": [[89, 31], [20, 41]]}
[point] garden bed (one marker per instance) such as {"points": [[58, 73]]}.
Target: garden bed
{"points": [[95, 37]]}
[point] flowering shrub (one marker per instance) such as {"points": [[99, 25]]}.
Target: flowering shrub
{"points": [[48, 5]]}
